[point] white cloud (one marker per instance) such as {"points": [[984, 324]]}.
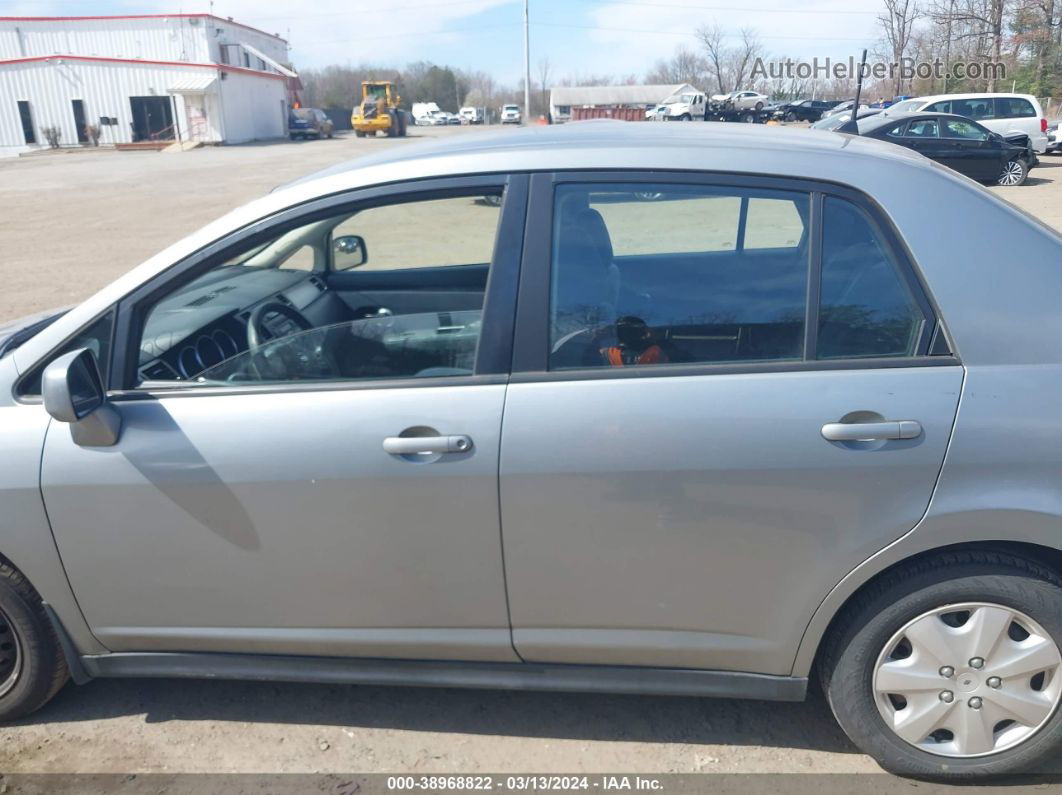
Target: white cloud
{"points": [[355, 31], [634, 33]]}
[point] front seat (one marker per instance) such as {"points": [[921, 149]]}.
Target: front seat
{"points": [[585, 288]]}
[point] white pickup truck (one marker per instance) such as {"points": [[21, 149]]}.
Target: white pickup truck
{"points": [[678, 107]]}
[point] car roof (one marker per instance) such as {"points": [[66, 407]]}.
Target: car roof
{"points": [[981, 95], [613, 144], [881, 119]]}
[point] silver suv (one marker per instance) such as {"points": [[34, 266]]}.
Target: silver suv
{"points": [[607, 423]]}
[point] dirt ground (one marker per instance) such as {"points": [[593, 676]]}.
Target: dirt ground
{"points": [[73, 222]]}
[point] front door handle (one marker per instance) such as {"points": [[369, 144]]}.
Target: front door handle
{"points": [[412, 445], [865, 431]]}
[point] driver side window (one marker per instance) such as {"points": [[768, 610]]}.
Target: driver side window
{"points": [[389, 291]]}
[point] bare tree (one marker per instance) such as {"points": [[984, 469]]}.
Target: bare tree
{"points": [[682, 67], [711, 38], [729, 67], [897, 24], [979, 21], [544, 70], [743, 57]]}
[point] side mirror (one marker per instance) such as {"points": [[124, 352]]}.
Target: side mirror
{"points": [[73, 393], [349, 251]]}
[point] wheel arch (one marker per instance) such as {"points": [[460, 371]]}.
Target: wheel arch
{"points": [[832, 609]]}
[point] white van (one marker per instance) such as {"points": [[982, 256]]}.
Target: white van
{"points": [[1006, 114]]}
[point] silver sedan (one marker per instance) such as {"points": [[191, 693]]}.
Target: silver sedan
{"points": [[704, 410]]}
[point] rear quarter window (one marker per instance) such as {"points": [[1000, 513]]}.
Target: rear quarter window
{"points": [[1014, 108]]}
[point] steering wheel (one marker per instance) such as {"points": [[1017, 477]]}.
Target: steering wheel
{"points": [[257, 332]]}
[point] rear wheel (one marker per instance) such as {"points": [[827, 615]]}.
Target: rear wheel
{"points": [[1014, 172], [790, 116], [32, 666], [952, 668], [749, 118]]}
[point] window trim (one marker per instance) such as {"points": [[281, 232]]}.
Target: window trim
{"points": [[530, 360], [495, 341]]}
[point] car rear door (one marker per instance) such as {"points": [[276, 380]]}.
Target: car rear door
{"points": [[723, 400]]}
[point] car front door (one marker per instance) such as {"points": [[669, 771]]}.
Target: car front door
{"points": [[332, 491], [694, 451], [970, 149]]}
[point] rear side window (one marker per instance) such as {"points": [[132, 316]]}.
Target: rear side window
{"points": [[980, 108], [923, 128], [866, 307], [936, 107], [648, 274], [1014, 108]]}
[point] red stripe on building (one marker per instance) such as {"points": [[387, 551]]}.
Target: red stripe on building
{"points": [[222, 66]]}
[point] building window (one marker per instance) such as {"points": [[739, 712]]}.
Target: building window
{"points": [[26, 115], [247, 60], [223, 52]]}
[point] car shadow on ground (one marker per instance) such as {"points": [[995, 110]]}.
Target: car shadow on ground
{"points": [[580, 716]]}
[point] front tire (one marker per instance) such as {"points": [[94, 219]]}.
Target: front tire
{"points": [[32, 666], [1014, 173], [950, 668]]}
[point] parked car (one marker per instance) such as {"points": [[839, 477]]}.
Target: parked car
{"points": [[1006, 114], [435, 118], [574, 451], [1054, 137], [835, 120], [959, 143], [423, 113], [804, 109], [742, 100], [471, 115], [510, 114], [844, 106], [309, 123]]}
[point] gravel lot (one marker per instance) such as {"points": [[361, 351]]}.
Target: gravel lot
{"points": [[73, 222]]}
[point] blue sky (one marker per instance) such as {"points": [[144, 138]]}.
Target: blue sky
{"points": [[579, 37]]}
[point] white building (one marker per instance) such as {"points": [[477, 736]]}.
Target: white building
{"points": [[187, 77]]}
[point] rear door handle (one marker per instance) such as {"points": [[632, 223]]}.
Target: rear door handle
{"points": [[863, 431], [411, 445]]}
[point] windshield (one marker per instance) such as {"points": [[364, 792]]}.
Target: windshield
{"points": [[906, 106], [510, 107]]}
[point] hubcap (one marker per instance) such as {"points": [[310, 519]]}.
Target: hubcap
{"points": [[10, 655], [1011, 174], [999, 669]]}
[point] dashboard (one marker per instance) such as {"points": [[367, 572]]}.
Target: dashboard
{"points": [[205, 323]]}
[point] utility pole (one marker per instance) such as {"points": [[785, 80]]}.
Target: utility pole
{"points": [[527, 64]]}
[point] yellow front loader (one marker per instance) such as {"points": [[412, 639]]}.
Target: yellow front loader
{"points": [[378, 111]]}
